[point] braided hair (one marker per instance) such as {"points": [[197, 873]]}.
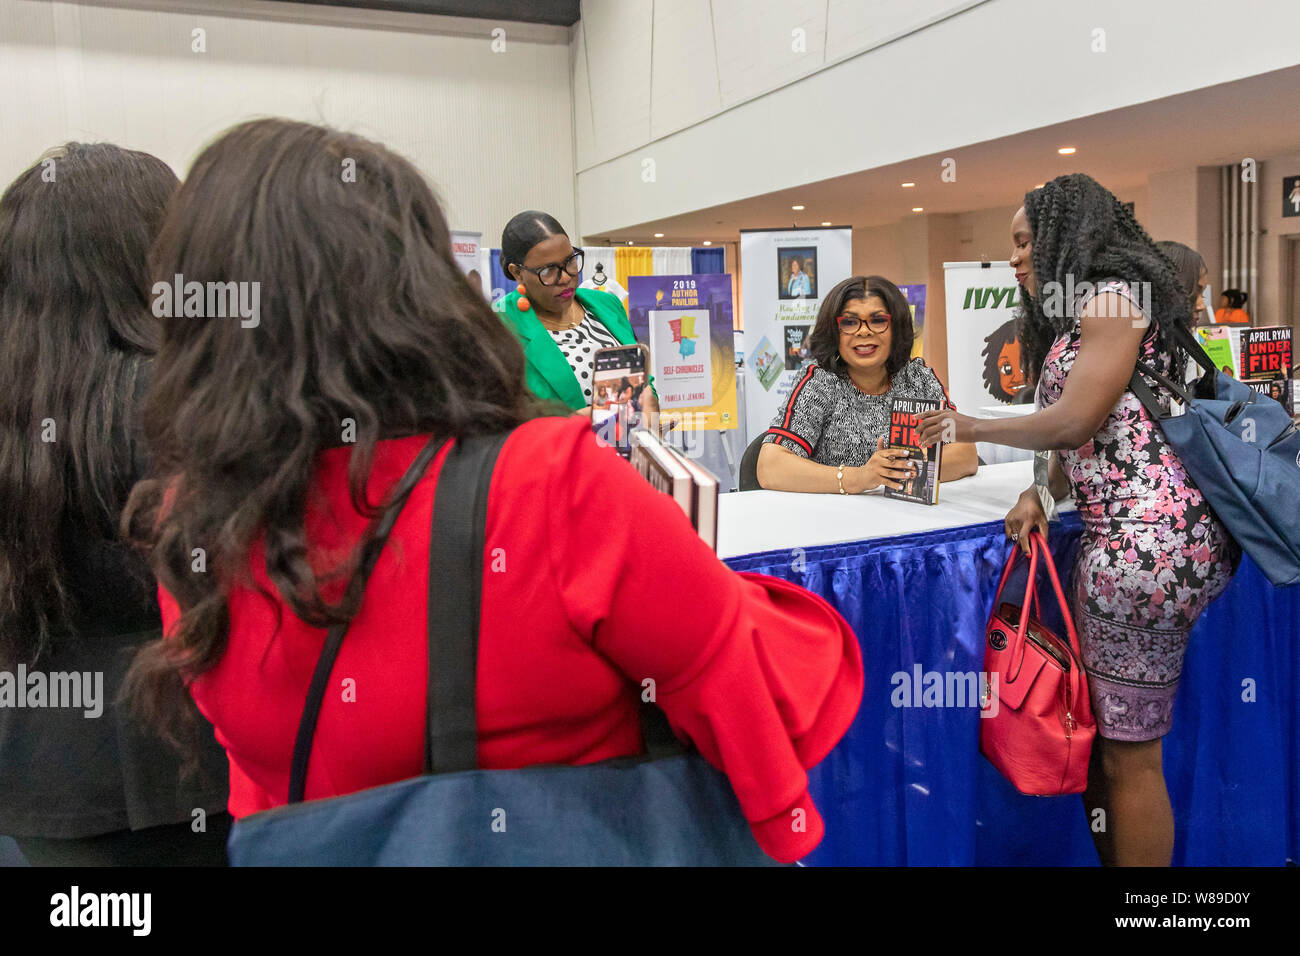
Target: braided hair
{"points": [[1081, 230]]}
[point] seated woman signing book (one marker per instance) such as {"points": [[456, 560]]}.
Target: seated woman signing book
{"points": [[831, 434]]}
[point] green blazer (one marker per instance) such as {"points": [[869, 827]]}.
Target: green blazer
{"points": [[548, 374]]}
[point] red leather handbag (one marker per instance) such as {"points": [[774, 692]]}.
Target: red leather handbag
{"points": [[1038, 731]]}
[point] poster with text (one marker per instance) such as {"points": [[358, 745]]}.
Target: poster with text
{"points": [[687, 321], [785, 273], [1266, 352], [472, 257], [983, 351]]}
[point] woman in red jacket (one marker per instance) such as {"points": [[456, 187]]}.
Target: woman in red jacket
{"points": [[277, 441]]}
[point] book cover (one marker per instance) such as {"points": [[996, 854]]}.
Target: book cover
{"points": [[1281, 390], [904, 427], [704, 498], [1218, 346], [768, 365], [1266, 352], [665, 472], [689, 323]]}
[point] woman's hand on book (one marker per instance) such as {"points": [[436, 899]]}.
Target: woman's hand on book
{"points": [[945, 425], [888, 466], [1027, 515]]}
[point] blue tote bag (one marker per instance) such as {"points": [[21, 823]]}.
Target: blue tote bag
{"points": [[1243, 451], [668, 809]]}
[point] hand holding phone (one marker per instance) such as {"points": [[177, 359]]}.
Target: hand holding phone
{"points": [[619, 378]]}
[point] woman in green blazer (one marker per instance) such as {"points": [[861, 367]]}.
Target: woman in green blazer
{"points": [[563, 326]]}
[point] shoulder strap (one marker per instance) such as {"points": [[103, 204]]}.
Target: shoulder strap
{"points": [[380, 529], [455, 591], [1189, 343], [456, 568]]}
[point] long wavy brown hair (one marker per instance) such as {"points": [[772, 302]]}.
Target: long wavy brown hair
{"points": [[364, 316], [75, 339]]}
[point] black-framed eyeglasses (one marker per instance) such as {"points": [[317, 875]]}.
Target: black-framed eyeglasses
{"points": [[550, 274], [876, 322]]}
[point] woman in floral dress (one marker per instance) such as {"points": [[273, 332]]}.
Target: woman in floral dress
{"points": [[1099, 296]]}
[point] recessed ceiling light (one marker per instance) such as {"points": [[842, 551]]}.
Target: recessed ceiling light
{"points": [[918, 209], [708, 242], [908, 185], [629, 242], [827, 223], [797, 208], [1067, 150], [659, 235]]}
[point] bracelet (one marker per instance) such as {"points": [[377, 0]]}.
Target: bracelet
{"points": [[839, 478]]}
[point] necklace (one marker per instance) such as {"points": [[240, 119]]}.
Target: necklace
{"points": [[564, 328]]}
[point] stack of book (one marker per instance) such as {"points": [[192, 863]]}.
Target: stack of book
{"points": [[693, 488]]}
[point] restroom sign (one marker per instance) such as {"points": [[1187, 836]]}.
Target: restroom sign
{"points": [[1291, 196]]}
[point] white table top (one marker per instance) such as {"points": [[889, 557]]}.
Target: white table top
{"points": [[750, 522]]}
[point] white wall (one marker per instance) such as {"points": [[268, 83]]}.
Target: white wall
{"points": [[772, 118], [491, 131], [647, 68]]}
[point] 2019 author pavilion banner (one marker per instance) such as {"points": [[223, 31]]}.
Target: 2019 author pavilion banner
{"points": [[687, 322]]}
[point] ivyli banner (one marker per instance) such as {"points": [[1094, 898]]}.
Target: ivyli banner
{"points": [[983, 351], [687, 321], [785, 273]]}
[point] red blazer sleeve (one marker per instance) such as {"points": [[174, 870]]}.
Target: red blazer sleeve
{"points": [[763, 677]]}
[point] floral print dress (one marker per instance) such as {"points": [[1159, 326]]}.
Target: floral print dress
{"points": [[1153, 554]]}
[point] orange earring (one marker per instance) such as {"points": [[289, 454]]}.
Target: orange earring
{"points": [[523, 303]]}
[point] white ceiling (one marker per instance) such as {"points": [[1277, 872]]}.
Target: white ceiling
{"points": [[1254, 117]]}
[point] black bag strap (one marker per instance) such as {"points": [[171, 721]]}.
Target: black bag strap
{"points": [[456, 569], [1188, 342], [455, 594], [380, 529]]}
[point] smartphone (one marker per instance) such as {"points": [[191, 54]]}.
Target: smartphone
{"points": [[619, 377]]}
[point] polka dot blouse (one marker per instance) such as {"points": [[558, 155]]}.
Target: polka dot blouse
{"points": [[579, 345]]}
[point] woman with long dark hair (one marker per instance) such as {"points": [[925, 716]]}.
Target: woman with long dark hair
{"points": [[81, 782], [1100, 296], [278, 444]]}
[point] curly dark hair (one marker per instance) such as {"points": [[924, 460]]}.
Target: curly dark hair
{"points": [[825, 341], [364, 316], [77, 337], [1081, 230]]}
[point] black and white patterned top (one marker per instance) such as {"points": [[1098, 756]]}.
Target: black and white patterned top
{"points": [[828, 419], [578, 346]]}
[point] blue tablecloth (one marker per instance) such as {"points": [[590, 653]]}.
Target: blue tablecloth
{"points": [[907, 785]]}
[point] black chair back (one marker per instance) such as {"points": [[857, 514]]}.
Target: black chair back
{"points": [[749, 465]]}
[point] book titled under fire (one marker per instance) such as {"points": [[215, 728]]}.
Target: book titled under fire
{"points": [[905, 435]]}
